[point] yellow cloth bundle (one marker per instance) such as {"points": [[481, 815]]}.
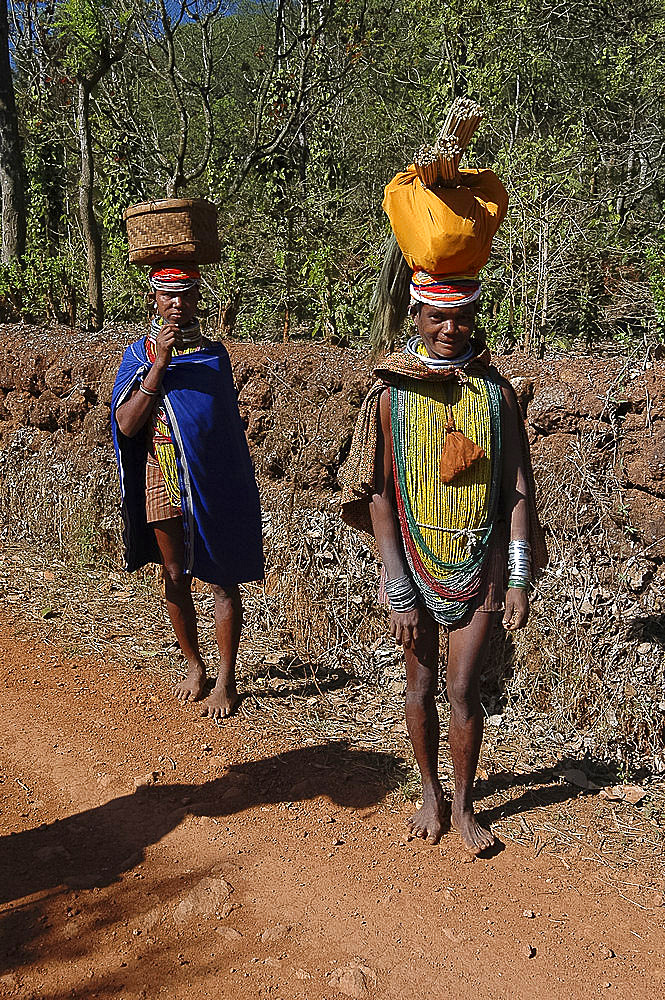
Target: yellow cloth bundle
{"points": [[446, 230]]}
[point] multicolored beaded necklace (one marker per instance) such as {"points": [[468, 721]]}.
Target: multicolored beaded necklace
{"points": [[446, 527]]}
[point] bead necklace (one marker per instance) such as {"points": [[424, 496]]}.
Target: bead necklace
{"points": [[446, 527]]}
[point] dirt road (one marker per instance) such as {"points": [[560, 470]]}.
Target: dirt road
{"points": [[145, 852]]}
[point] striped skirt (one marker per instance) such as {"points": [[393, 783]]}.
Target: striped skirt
{"points": [[158, 506]]}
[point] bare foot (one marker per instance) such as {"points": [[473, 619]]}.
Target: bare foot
{"points": [[222, 700], [432, 820], [476, 838], [191, 687]]}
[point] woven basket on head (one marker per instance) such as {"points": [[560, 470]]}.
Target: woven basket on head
{"points": [[172, 229]]}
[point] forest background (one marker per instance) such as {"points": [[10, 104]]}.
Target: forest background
{"points": [[291, 117]]}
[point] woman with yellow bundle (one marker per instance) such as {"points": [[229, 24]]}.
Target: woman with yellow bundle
{"points": [[439, 472]]}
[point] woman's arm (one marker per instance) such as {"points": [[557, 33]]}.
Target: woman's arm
{"points": [[133, 414], [403, 625], [513, 492]]}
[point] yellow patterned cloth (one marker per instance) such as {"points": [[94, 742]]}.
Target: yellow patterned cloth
{"points": [[165, 455], [162, 443]]}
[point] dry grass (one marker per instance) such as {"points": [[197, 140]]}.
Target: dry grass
{"points": [[61, 498], [592, 653], [321, 586], [588, 666]]}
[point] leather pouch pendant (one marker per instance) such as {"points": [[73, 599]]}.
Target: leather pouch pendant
{"points": [[458, 454]]}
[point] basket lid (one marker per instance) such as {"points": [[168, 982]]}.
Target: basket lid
{"points": [[167, 205]]}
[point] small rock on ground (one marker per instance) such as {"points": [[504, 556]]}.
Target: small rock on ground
{"points": [[208, 897], [276, 933], [144, 780], [353, 980], [229, 933]]}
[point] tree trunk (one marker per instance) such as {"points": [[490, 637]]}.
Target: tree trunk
{"points": [[542, 337], [11, 164], [88, 221], [287, 269]]}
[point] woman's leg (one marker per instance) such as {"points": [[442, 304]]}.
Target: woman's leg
{"points": [[467, 651], [228, 625], [169, 535], [422, 720]]}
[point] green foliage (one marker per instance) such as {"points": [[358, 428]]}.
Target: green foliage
{"points": [[339, 303], [88, 29], [41, 286], [655, 262], [47, 185], [310, 121]]}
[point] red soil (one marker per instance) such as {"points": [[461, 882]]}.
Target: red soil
{"points": [[261, 870]]}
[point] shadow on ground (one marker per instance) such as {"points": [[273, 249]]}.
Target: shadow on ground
{"points": [[94, 847], [66, 864], [548, 786], [292, 679]]}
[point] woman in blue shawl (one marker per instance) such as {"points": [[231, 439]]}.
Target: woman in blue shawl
{"points": [[189, 496]]}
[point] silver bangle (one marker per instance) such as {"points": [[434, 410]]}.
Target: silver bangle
{"points": [[519, 560], [148, 392], [401, 594]]}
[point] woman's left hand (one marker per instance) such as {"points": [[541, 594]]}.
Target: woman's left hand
{"points": [[517, 609]]}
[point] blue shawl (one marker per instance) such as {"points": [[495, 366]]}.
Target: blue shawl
{"points": [[220, 498]]}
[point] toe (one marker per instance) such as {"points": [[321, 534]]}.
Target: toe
{"points": [[483, 843]]}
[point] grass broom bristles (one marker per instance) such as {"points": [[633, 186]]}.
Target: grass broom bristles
{"points": [[390, 300]]}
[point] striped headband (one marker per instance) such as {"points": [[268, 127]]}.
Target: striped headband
{"points": [[443, 290], [179, 278]]}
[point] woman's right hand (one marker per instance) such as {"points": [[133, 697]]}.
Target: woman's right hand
{"points": [[405, 627], [164, 344]]}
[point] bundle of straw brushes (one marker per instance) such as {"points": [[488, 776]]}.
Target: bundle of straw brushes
{"points": [[437, 165]]}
